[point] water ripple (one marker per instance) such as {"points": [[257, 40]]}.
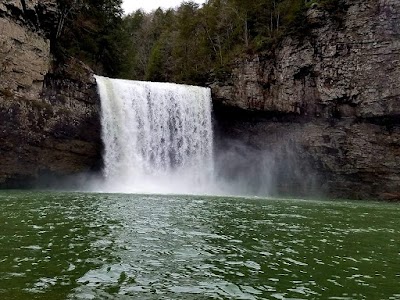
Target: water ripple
{"points": [[92, 246]]}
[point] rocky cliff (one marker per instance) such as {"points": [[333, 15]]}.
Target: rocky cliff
{"points": [[318, 114], [333, 96], [49, 114]]}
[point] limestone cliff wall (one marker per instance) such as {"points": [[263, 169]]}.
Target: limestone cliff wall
{"points": [[322, 113], [49, 117], [335, 94]]}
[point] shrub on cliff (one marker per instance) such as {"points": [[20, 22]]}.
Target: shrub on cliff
{"points": [[92, 31], [182, 45], [185, 44]]}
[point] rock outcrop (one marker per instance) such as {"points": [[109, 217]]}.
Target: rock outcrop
{"points": [[321, 113], [334, 94], [49, 116]]}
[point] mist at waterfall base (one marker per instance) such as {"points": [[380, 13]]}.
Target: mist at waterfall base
{"points": [[158, 139]]}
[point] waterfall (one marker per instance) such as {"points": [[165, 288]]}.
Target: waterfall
{"points": [[157, 137]]}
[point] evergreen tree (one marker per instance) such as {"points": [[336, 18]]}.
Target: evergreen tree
{"points": [[93, 31], [182, 45]]}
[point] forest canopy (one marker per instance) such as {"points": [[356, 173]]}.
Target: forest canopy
{"points": [[182, 45], [92, 31]]}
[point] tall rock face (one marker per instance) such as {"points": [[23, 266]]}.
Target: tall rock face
{"points": [[333, 95], [49, 118]]}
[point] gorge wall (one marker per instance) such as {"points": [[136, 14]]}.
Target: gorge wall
{"points": [[329, 102], [49, 115], [322, 112]]}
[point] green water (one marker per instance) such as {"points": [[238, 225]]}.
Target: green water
{"points": [[103, 246]]}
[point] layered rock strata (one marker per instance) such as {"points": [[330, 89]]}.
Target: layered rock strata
{"points": [[335, 94], [49, 116]]}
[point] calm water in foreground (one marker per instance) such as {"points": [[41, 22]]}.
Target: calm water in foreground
{"points": [[108, 246]]}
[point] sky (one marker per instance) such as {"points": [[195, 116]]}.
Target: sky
{"points": [[149, 5]]}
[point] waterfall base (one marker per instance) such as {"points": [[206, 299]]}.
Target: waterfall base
{"points": [[157, 136]]}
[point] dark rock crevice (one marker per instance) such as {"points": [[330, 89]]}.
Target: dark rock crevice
{"points": [[49, 113], [320, 111], [333, 94]]}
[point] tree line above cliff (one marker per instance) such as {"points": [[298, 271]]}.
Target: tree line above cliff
{"points": [[92, 31], [182, 45]]}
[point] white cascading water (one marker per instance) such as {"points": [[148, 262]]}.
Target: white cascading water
{"points": [[157, 137]]}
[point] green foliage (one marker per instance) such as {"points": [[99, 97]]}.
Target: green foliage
{"points": [[182, 45], [154, 70], [185, 45], [93, 31]]}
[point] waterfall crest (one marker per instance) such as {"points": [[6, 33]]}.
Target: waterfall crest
{"points": [[157, 137]]}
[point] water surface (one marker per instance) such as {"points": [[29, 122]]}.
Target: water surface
{"points": [[112, 246]]}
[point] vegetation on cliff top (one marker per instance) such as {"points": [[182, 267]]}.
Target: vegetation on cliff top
{"points": [[180, 45], [92, 31]]}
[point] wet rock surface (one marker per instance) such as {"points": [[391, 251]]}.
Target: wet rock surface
{"points": [[334, 94], [49, 115], [324, 109]]}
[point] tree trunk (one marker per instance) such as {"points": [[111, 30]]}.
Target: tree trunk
{"points": [[246, 32]]}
